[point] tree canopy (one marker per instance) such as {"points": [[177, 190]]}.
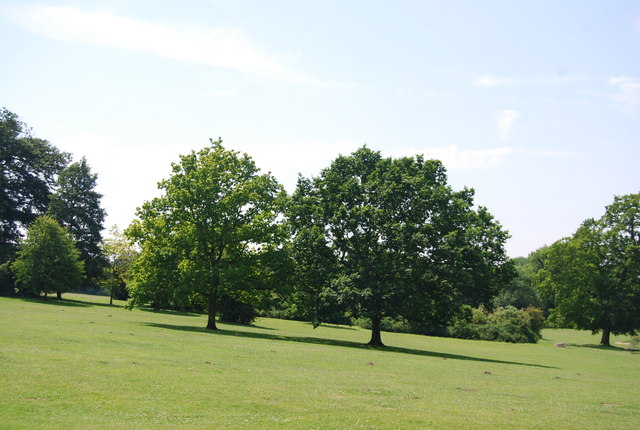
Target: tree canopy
{"points": [[75, 204], [593, 277], [48, 261], [216, 229], [388, 237], [28, 169]]}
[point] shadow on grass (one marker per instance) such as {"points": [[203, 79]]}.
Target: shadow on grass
{"points": [[66, 302], [170, 312], [339, 327], [604, 347], [339, 343]]}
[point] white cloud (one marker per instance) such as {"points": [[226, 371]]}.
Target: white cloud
{"points": [[506, 119], [455, 158], [628, 92], [494, 81], [222, 93], [222, 47]]}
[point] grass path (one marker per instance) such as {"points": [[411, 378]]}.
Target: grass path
{"points": [[83, 364]]}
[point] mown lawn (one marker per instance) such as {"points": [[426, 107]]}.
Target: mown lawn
{"points": [[82, 364]]}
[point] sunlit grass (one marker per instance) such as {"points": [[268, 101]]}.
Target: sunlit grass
{"points": [[84, 364]]}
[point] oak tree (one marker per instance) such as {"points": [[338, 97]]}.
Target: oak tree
{"points": [[216, 229], [389, 238]]}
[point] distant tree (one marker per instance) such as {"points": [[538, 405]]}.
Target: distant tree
{"points": [[47, 261], [215, 231], [594, 276], [28, 169], [389, 238], [520, 292], [76, 206], [120, 254]]}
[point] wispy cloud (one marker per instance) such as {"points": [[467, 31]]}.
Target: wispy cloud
{"points": [[219, 47], [495, 81], [505, 122], [627, 92], [455, 158]]}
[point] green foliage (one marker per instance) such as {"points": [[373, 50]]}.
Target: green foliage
{"points": [[76, 206], [234, 311], [215, 230], [120, 254], [28, 168], [506, 324], [593, 277], [380, 237], [520, 292], [47, 261]]}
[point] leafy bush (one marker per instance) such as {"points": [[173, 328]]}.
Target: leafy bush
{"points": [[506, 324], [234, 311]]}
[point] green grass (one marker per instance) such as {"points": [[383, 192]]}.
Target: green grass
{"points": [[83, 364]]}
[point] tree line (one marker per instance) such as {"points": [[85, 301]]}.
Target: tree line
{"points": [[41, 189], [369, 237]]}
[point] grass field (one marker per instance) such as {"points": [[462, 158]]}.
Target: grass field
{"points": [[82, 364]]}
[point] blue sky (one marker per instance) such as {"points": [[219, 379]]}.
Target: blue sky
{"points": [[534, 104]]}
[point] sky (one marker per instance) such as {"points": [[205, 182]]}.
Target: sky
{"points": [[533, 104]]}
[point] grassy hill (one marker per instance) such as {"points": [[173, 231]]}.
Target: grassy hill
{"points": [[82, 364]]}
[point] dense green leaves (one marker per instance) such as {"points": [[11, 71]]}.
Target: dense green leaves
{"points": [[593, 277], [214, 231], [48, 261], [28, 168], [388, 237], [76, 206]]}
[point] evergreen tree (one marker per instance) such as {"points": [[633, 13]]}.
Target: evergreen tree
{"points": [[76, 206], [28, 168]]}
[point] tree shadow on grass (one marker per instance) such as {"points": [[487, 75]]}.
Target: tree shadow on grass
{"points": [[604, 347], [170, 312], [66, 302], [339, 327], [338, 343]]}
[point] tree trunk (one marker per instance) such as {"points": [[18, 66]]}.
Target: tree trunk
{"points": [[59, 295], [111, 296], [213, 306], [376, 338], [606, 334]]}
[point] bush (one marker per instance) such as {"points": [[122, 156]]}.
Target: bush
{"points": [[506, 324], [234, 311]]}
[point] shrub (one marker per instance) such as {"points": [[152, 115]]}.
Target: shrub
{"points": [[506, 324], [234, 311]]}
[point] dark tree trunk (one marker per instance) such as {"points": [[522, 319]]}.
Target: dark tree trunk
{"points": [[213, 307], [111, 296], [606, 334], [58, 295], [376, 338]]}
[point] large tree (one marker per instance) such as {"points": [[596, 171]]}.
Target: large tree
{"points": [[215, 230], [28, 169], [593, 277], [47, 261], [76, 205], [389, 238]]}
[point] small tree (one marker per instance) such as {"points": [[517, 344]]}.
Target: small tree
{"points": [[120, 254], [48, 261]]}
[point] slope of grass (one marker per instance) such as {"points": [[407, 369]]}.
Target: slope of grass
{"points": [[82, 364]]}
